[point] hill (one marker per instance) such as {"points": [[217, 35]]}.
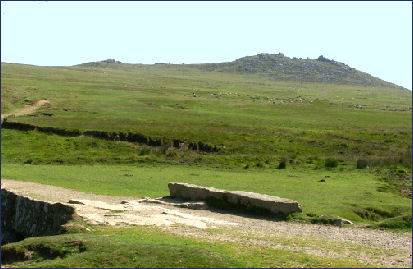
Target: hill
{"points": [[280, 67]]}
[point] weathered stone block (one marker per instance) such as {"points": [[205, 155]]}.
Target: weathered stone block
{"points": [[249, 201]]}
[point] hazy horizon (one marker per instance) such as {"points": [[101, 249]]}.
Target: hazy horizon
{"points": [[372, 37]]}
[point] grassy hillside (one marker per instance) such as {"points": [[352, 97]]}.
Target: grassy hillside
{"points": [[255, 122], [252, 119]]}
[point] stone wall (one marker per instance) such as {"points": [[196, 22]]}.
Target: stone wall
{"points": [[114, 136], [23, 217]]}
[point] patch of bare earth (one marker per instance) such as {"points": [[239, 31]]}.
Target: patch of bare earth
{"points": [[27, 110], [368, 246]]}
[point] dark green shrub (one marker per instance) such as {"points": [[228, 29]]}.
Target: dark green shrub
{"points": [[93, 144], [282, 164], [143, 151], [399, 222], [401, 171], [361, 164], [330, 163], [259, 165], [172, 153]]}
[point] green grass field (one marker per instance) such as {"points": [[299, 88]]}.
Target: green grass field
{"points": [[257, 123]]}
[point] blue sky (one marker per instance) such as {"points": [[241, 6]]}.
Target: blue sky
{"points": [[375, 37]]}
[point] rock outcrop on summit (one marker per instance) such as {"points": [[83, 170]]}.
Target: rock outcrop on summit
{"points": [[280, 67]]}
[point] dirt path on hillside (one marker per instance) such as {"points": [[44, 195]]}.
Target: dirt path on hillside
{"points": [[26, 110], [385, 248]]}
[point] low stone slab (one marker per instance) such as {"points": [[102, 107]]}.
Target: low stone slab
{"points": [[332, 220], [249, 201]]}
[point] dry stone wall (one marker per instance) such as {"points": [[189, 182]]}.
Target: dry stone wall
{"points": [[23, 217]]}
